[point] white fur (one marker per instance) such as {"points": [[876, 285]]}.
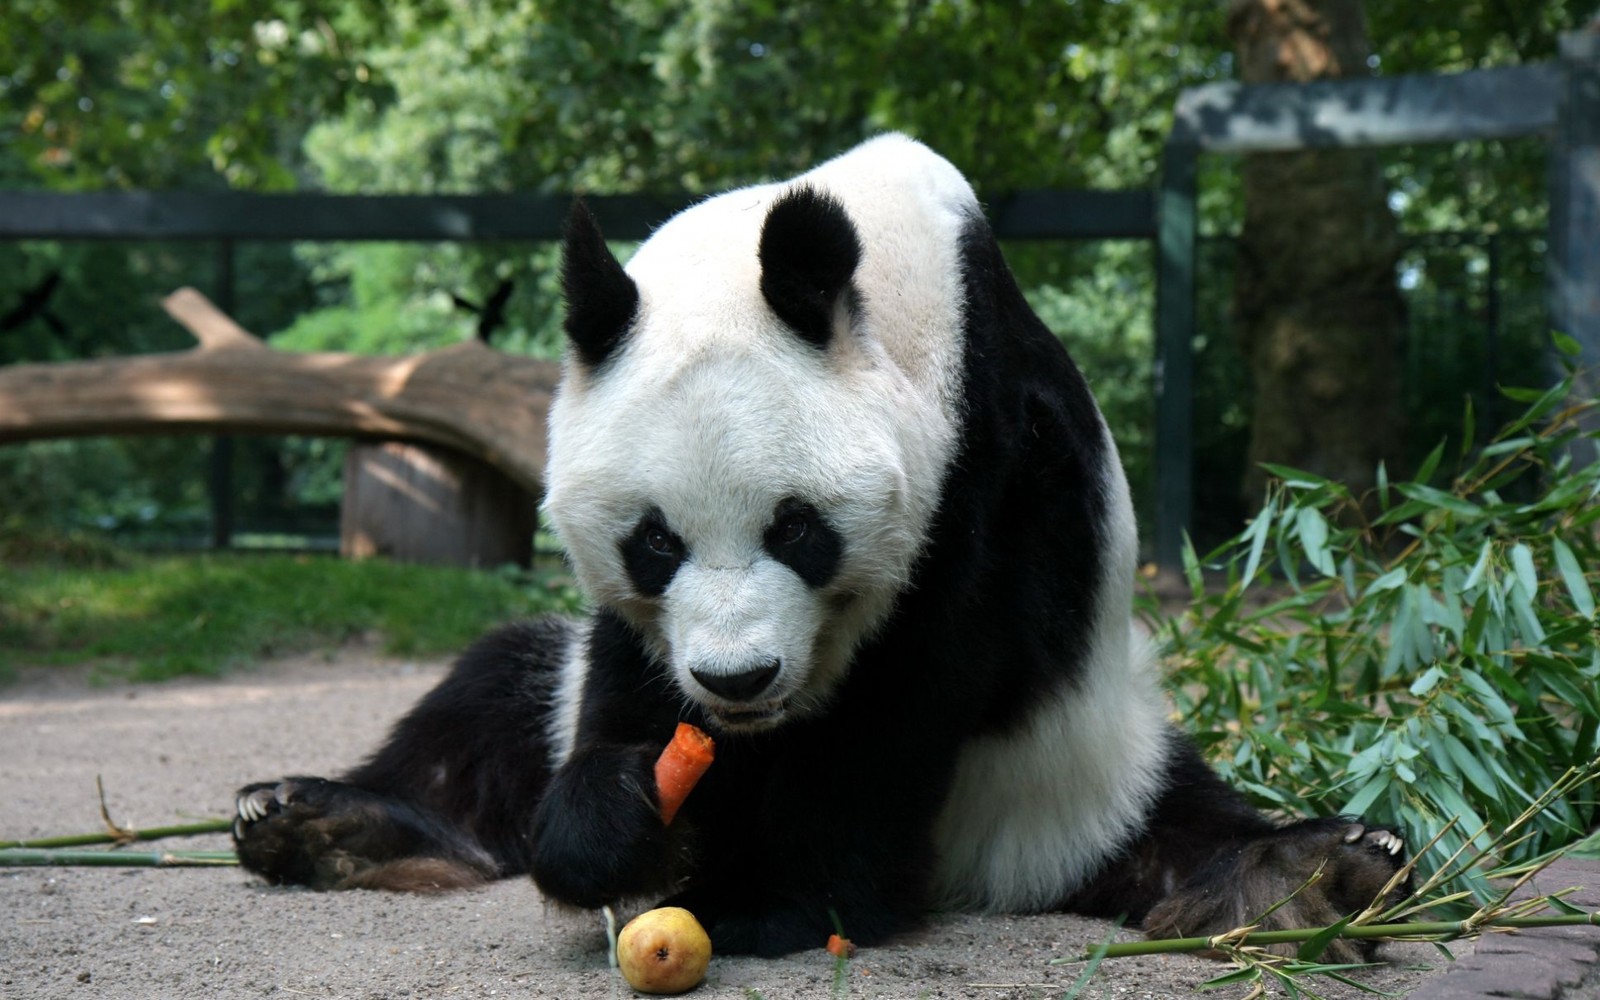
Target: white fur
{"points": [[1034, 812], [714, 411], [567, 698]]}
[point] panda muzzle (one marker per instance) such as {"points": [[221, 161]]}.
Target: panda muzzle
{"points": [[739, 685]]}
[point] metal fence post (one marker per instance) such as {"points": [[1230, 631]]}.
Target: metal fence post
{"points": [[1177, 217], [1575, 206], [220, 478]]}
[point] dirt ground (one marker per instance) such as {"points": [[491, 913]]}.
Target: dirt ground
{"points": [[174, 752]]}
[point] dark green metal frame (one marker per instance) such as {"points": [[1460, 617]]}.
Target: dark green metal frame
{"points": [[1560, 101]]}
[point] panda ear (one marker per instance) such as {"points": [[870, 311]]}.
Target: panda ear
{"points": [[809, 251], [601, 298]]}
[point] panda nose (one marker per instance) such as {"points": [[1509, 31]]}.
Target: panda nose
{"points": [[741, 686]]}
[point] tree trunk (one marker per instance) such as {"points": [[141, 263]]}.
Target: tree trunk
{"points": [[470, 398], [1317, 312]]}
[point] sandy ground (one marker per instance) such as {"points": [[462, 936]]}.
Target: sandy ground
{"points": [[174, 752]]}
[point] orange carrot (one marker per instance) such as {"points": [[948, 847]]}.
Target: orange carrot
{"points": [[680, 765]]}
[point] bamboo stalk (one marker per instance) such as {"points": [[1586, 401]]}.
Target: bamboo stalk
{"points": [[123, 836], [1437, 930], [25, 857]]}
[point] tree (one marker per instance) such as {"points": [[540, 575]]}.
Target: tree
{"points": [[1317, 311]]}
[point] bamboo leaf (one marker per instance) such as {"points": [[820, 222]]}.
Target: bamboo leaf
{"points": [[1313, 530], [1257, 534], [1248, 974], [1479, 567], [1313, 947], [1391, 580], [1468, 763], [1095, 958], [1359, 803], [1429, 465], [1436, 498], [1422, 685], [1296, 478], [1527, 574], [1572, 576]]}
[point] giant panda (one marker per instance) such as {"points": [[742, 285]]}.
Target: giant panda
{"points": [[836, 495]]}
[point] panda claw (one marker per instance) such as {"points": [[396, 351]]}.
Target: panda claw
{"points": [[1353, 832], [254, 807]]}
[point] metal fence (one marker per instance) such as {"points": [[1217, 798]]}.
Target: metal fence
{"points": [[1476, 319]]}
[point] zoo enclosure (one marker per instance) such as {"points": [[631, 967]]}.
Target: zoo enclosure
{"points": [[224, 221], [1560, 101]]}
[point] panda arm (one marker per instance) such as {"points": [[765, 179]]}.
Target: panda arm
{"points": [[597, 831]]}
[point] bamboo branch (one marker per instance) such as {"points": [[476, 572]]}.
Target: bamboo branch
{"points": [[22, 857], [122, 836], [1436, 930]]}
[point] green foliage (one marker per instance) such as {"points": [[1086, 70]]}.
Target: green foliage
{"points": [[1426, 653], [159, 617], [127, 93], [443, 96]]}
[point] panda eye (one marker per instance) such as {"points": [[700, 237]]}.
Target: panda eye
{"points": [[660, 542], [791, 529]]}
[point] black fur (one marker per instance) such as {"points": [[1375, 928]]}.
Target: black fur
{"points": [[602, 300], [803, 540], [830, 815], [809, 252], [652, 554]]}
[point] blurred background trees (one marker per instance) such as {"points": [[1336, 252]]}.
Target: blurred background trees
{"points": [[435, 96]]}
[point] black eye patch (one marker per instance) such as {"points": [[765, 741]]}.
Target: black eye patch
{"points": [[651, 554], [803, 540]]}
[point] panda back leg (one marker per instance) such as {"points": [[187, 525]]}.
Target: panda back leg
{"points": [[1207, 862], [1308, 874], [445, 802]]}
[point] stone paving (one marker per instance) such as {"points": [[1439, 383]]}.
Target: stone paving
{"points": [[1550, 963]]}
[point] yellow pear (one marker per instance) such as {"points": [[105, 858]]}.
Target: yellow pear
{"points": [[664, 951]]}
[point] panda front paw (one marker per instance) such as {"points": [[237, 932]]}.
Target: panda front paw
{"points": [[598, 833]]}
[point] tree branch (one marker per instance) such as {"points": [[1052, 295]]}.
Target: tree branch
{"points": [[469, 397]]}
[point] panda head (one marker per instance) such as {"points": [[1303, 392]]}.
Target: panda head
{"points": [[737, 467]]}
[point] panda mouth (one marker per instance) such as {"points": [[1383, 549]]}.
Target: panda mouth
{"points": [[750, 718]]}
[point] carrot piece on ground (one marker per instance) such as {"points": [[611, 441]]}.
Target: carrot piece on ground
{"points": [[840, 947], [680, 765]]}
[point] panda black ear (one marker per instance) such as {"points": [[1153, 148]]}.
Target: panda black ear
{"points": [[809, 252], [601, 298]]}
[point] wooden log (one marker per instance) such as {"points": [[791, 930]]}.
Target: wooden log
{"points": [[423, 503], [468, 397]]}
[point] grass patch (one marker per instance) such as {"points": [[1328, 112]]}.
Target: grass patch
{"points": [[153, 617]]}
